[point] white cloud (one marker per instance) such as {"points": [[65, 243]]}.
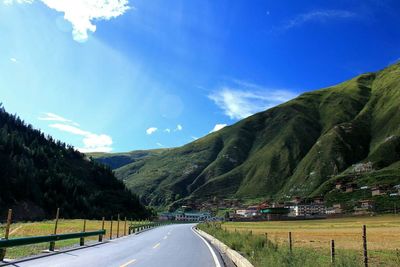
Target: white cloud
{"points": [[92, 142], [250, 99], [82, 13], [179, 127], [48, 116], [159, 144], [168, 130], [151, 130], [217, 127], [14, 60], [319, 16], [69, 129], [10, 2], [194, 137]]}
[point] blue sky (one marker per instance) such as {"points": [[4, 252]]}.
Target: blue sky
{"points": [[129, 75]]}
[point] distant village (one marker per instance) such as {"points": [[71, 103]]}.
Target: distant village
{"points": [[295, 209]]}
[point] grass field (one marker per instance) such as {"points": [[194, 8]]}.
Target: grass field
{"points": [[383, 235], [47, 228]]}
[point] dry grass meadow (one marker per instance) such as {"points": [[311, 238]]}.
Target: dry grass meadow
{"points": [[383, 234]]}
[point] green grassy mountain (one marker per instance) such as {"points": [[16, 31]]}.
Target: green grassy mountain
{"points": [[117, 160], [298, 148], [39, 174]]}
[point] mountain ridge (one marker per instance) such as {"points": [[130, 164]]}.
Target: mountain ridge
{"points": [[39, 174], [289, 150]]}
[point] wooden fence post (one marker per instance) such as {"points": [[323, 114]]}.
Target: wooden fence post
{"points": [[7, 233], [125, 227], [118, 227], [53, 243], [102, 228], [365, 246], [290, 241], [82, 239], [111, 227], [333, 251]]}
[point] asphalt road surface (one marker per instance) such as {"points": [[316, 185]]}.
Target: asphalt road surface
{"points": [[173, 245]]}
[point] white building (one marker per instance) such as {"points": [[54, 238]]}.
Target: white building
{"points": [[307, 210], [192, 216], [246, 213]]}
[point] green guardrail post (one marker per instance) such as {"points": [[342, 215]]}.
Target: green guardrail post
{"points": [[102, 228], [7, 233], [111, 227], [53, 243], [82, 239]]}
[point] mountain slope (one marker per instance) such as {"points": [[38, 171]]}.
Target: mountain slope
{"points": [[289, 150], [117, 160], [38, 175]]}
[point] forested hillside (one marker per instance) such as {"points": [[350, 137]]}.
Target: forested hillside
{"points": [[39, 174], [299, 148]]}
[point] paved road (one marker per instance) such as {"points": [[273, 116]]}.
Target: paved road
{"points": [[172, 245]]}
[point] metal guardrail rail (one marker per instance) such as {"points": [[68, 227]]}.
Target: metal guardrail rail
{"points": [[5, 243]]}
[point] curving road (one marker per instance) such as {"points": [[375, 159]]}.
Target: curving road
{"points": [[172, 245]]}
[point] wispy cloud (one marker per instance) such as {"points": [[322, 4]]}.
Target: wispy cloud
{"points": [[91, 142], [13, 60], [179, 127], [159, 144], [317, 16], [168, 130], [10, 2], [245, 99], [151, 130], [194, 138], [217, 127], [48, 116], [82, 13]]}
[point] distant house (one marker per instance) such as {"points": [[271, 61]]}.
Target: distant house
{"points": [[335, 209], [192, 216], [318, 200], [367, 204], [339, 185], [362, 167], [296, 200], [274, 213], [305, 210], [245, 213], [350, 188], [377, 191], [166, 216]]}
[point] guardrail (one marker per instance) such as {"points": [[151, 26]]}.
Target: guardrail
{"points": [[6, 243], [134, 228], [54, 237]]}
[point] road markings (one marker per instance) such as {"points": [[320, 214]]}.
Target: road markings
{"points": [[216, 261], [129, 262], [156, 245]]}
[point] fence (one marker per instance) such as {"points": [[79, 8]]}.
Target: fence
{"points": [[249, 243], [52, 238]]}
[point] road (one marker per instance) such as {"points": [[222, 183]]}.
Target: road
{"points": [[173, 245]]}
